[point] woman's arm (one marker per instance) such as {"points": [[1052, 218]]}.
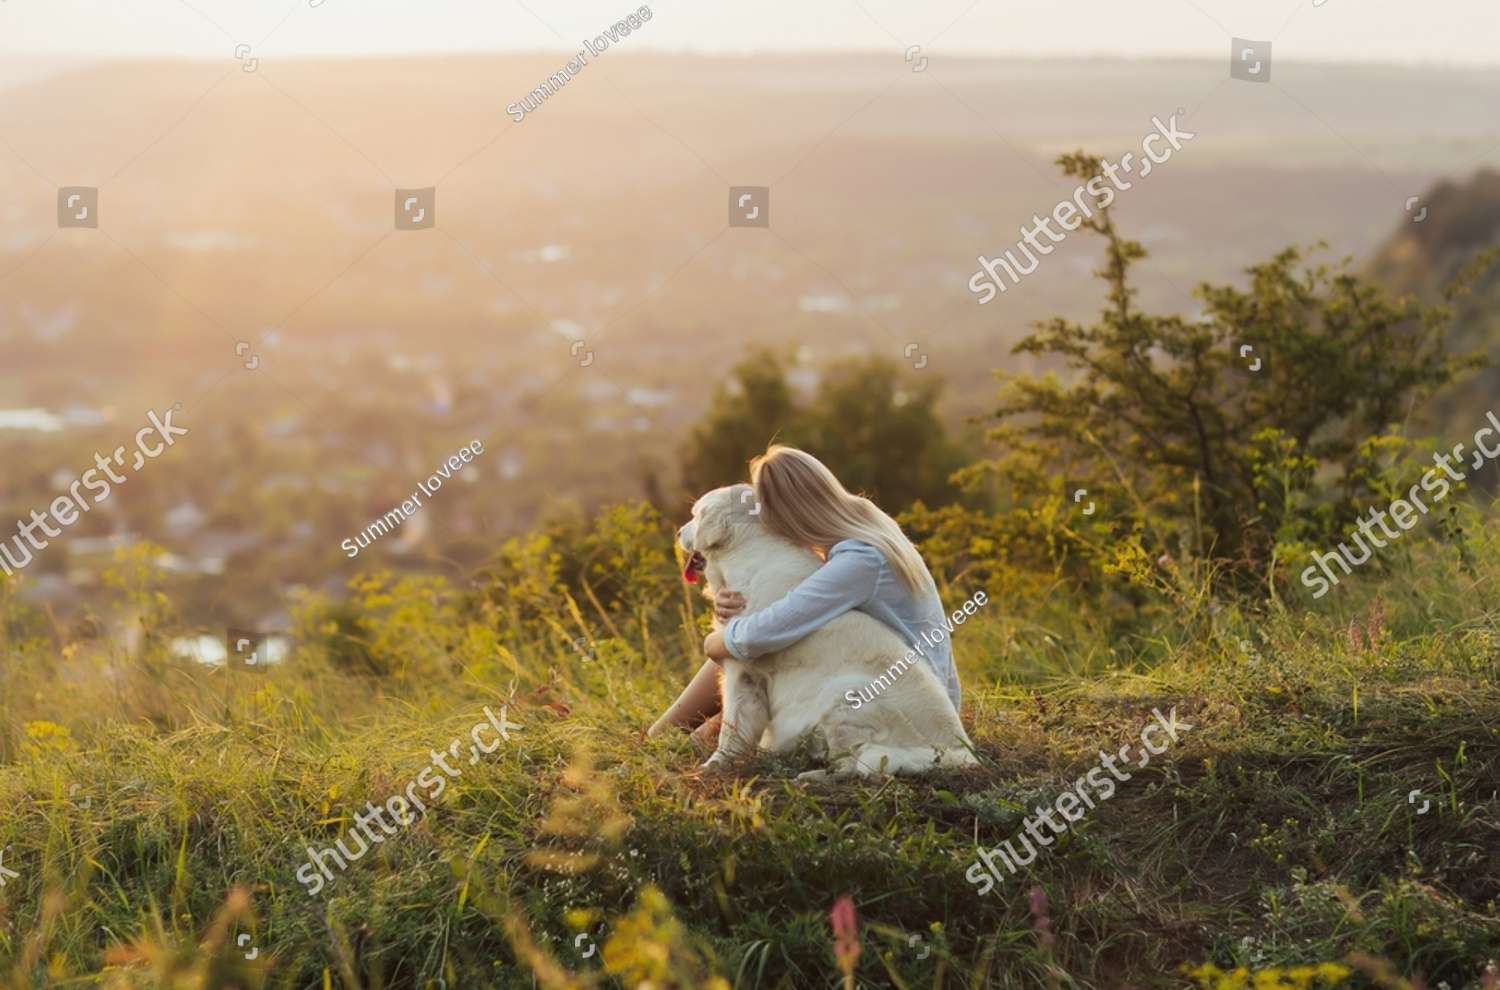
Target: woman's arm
{"points": [[845, 582]]}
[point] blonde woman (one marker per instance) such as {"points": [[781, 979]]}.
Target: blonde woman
{"points": [[869, 565]]}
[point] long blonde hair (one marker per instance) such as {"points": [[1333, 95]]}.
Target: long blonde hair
{"points": [[802, 500]]}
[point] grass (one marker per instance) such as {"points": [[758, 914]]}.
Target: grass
{"points": [[158, 812]]}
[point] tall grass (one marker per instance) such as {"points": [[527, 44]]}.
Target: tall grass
{"points": [[158, 810]]}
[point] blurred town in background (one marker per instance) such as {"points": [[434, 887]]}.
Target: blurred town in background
{"points": [[580, 299]]}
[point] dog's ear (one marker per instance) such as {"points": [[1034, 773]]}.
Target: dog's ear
{"points": [[715, 525]]}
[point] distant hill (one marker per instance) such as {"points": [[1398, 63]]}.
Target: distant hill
{"points": [[1424, 256], [581, 295]]}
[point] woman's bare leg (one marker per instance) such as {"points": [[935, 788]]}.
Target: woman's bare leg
{"points": [[699, 700], [705, 738]]}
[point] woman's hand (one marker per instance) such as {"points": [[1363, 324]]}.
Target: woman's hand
{"points": [[728, 604], [713, 645]]}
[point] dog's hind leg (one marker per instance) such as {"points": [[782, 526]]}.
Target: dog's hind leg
{"points": [[747, 712], [958, 757], [839, 768], [875, 759], [842, 740]]}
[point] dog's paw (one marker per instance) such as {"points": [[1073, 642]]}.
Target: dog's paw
{"points": [[717, 763]]}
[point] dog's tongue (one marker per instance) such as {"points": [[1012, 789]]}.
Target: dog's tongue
{"points": [[694, 567]]}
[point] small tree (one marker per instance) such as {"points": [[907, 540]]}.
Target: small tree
{"points": [[1163, 421], [878, 429], [874, 427], [753, 408]]}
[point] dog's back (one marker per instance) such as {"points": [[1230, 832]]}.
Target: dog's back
{"points": [[809, 684]]}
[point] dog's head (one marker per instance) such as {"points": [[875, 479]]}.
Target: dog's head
{"points": [[721, 519]]}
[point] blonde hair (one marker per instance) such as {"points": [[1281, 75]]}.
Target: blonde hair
{"points": [[801, 500]]}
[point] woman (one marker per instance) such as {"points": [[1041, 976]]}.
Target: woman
{"points": [[869, 564]]}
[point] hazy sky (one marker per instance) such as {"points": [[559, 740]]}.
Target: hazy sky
{"points": [[1434, 31]]}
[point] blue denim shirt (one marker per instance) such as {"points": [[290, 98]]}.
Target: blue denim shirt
{"points": [[856, 575]]}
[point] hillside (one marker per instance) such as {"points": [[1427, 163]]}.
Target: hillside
{"points": [[1329, 801], [1424, 256]]}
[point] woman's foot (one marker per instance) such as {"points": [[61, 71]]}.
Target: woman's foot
{"points": [[705, 738]]}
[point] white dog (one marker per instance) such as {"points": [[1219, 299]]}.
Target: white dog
{"points": [[778, 698]]}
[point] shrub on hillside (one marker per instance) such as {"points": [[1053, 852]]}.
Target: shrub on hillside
{"points": [[1190, 454]]}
